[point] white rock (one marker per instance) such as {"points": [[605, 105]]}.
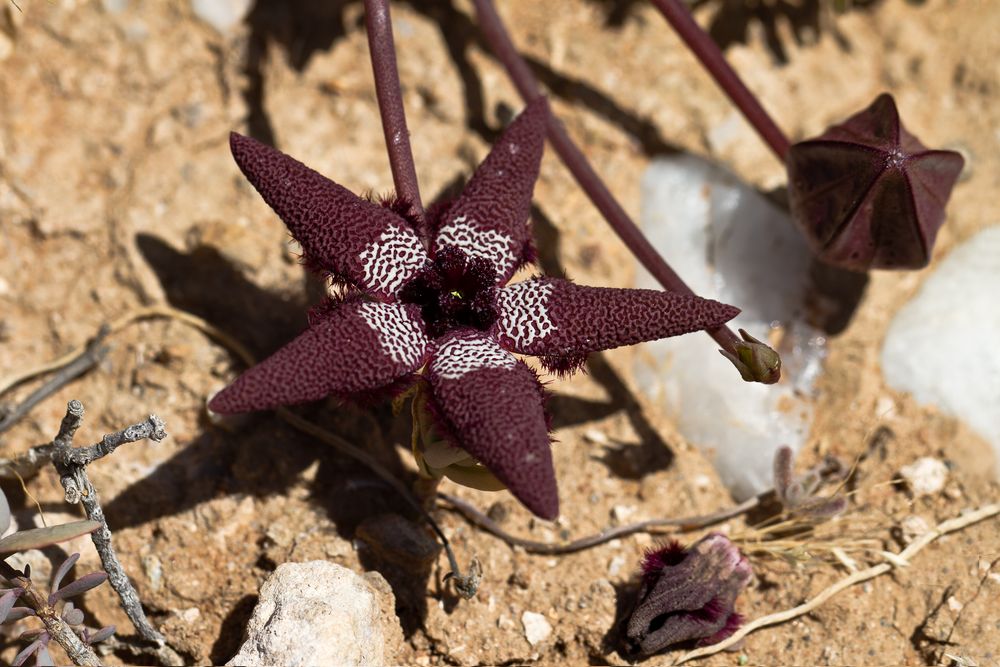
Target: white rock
{"points": [[925, 476], [913, 526], [536, 627], [315, 613], [616, 565], [940, 345], [729, 243], [223, 15]]}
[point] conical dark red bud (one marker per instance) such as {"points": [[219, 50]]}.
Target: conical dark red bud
{"points": [[868, 194]]}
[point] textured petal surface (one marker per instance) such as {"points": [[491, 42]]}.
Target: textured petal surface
{"points": [[355, 240], [491, 404], [355, 348], [490, 218], [554, 318]]}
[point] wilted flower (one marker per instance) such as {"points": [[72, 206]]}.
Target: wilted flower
{"points": [[868, 194], [688, 594], [446, 308]]}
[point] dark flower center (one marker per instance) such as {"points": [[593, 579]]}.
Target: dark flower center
{"points": [[453, 291]]}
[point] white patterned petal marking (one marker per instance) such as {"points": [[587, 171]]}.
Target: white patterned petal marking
{"points": [[477, 241], [399, 336], [463, 355], [391, 259], [524, 312]]}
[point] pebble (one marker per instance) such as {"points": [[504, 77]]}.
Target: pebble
{"points": [[729, 243], [536, 627], [315, 613], [223, 15], [935, 347], [912, 527], [621, 513], [925, 477], [616, 565]]}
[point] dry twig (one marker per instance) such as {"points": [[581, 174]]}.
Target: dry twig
{"points": [[71, 464]]}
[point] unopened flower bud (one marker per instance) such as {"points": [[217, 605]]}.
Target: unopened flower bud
{"points": [[688, 594], [868, 194], [755, 361]]}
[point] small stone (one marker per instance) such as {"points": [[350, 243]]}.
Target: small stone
{"points": [[885, 407], [621, 513], [616, 565], [223, 15], [926, 476], [714, 230], [934, 347], [702, 482], [536, 627], [153, 568], [315, 613], [912, 527]]}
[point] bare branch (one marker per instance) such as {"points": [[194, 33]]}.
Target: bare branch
{"points": [[71, 464], [92, 355]]}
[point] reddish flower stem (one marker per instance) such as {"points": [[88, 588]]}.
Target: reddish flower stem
{"points": [[390, 103], [725, 76], [502, 46]]}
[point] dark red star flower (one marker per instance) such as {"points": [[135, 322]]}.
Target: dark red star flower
{"points": [[868, 194], [447, 308]]}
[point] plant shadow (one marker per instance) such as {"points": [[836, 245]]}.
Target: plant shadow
{"points": [[733, 21]]}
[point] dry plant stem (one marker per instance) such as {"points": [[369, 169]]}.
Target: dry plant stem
{"points": [[89, 358], [78, 652], [27, 464], [519, 72], [711, 58], [390, 103], [71, 464], [898, 560], [531, 546]]}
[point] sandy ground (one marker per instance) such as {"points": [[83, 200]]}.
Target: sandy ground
{"points": [[117, 190]]}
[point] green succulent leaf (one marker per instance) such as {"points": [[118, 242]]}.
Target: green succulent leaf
{"points": [[36, 538]]}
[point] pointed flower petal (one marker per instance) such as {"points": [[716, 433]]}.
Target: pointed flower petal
{"points": [[355, 240], [491, 404], [563, 322], [490, 218], [356, 348]]}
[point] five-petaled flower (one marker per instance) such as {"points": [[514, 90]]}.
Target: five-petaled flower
{"points": [[447, 308]]}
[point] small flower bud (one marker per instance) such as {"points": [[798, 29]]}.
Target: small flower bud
{"points": [[755, 361], [688, 594]]}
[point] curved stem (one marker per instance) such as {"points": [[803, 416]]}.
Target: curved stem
{"points": [[544, 548], [502, 46], [390, 103], [725, 76]]}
